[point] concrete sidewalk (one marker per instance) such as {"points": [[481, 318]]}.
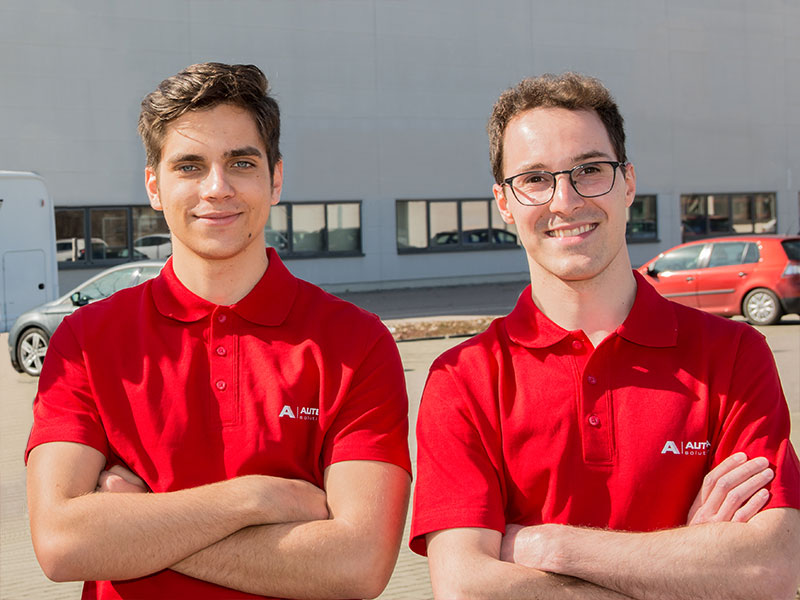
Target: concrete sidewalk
{"points": [[434, 312], [425, 302]]}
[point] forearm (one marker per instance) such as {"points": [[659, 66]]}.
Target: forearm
{"points": [[81, 535], [465, 563], [99, 536], [350, 555], [713, 560], [316, 559], [491, 579]]}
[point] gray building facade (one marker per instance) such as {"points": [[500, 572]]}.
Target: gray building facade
{"points": [[384, 104]]}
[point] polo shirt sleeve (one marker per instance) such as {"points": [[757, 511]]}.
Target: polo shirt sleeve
{"points": [[755, 419], [64, 409], [371, 422], [458, 483]]}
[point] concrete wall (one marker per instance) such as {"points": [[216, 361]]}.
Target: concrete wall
{"points": [[388, 99]]}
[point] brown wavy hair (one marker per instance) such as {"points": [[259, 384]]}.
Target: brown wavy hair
{"points": [[204, 86], [572, 91]]}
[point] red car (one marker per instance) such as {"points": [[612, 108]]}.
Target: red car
{"points": [[757, 276]]}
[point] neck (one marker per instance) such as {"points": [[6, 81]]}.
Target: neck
{"points": [[596, 306], [220, 281]]}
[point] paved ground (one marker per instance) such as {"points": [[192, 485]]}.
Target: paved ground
{"points": [[20, 576]]}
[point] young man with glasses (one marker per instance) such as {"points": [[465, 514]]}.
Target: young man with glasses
{"points": [[599, 441], [267, 418]]}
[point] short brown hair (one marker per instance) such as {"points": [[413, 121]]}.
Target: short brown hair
{"points": [[572, 91], [205, 86]]}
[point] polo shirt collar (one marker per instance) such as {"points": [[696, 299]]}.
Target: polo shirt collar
{"points": [[651, 322], [268, 303], [528, 326]]}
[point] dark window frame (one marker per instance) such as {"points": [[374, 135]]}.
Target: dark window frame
{"points": [[688, 235], [647, 238], [459, 245], [90, 261], [290, 253]]}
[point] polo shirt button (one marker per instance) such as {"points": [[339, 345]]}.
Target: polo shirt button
{"points": [[577, 344], [594, 420], [222, 318], [221, 351], [221, 385], [591, 379]]}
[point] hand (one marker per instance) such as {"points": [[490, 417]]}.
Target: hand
{"points": [[120, 479], [509, 539], [532, 546], [279, 500], [732, 491]]}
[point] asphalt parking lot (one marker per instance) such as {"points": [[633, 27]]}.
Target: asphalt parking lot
{"points": [[21, 578]]}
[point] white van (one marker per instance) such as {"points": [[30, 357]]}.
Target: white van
{"points": [[28, 267]]}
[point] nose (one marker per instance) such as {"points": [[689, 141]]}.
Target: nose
{"points": [[216, 185], [565, 199]]}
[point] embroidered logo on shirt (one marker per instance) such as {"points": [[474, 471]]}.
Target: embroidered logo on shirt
{"points": [[686, 448], [304, 413]]}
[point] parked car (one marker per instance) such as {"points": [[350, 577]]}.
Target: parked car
{"points": [[756, 276], [155, 245], [30, 334], [474, 236], [73, 249]]}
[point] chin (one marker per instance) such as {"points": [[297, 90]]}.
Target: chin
{"points": [[217, 253], [574, 272]]}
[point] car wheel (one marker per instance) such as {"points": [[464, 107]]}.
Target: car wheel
{"points": [[761, 307], [31, 348]]}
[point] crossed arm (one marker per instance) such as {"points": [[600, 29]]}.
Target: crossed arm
{"points": [[728, 550], [260, 534]]}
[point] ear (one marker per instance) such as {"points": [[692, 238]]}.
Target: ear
{"points": [[277, 183], [630, 184], [502, 203], [151, 185]]}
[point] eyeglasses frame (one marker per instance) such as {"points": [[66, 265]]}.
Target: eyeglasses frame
{"points": [[615, 163]]}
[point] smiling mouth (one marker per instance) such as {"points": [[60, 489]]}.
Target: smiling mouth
{"points": [[561, 233], [217, 216]]}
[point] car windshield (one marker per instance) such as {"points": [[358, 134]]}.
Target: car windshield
{"points": [[680, 259], [108, 284]]}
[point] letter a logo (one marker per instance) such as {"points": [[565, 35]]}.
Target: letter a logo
{"points": [[286, 411], [670, 447]]}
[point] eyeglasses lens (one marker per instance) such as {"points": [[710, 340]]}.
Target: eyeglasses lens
{"points": [[589, 180]]}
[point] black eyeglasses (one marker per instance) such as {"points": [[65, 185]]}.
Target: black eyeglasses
{"points": [[590, 180]]}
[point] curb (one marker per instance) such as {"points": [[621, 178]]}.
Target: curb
{"points": [[406, 330]]}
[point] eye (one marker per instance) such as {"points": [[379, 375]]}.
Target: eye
{"points": [[590, 169], [243, 164], [533, 178], [186, 168]]}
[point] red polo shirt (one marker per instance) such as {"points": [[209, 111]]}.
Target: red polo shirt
{"points": [[285, 382], [529, 423]]}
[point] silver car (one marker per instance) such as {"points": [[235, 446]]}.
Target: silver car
{"points": [[30, 333]]}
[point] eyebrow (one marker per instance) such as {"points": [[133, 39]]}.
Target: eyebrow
{"points": [[575, 160], [244, 151], [180, 158], [235, 153]]}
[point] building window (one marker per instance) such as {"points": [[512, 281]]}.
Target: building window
{"points": [[314, 229], [150, 233], [451, 225], [705, 215], [89, 236], [642, 223]]}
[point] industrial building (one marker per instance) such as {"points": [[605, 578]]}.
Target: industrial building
{"points": [[384, 105]]}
